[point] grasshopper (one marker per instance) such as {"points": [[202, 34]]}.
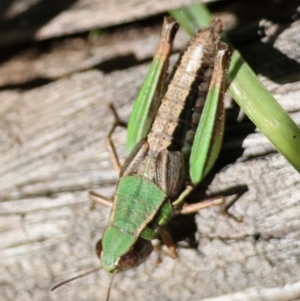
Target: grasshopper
{"points": [[170, 149]]}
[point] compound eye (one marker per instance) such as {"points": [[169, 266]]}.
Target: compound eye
{"points": [[129, 260], [98, 248]]}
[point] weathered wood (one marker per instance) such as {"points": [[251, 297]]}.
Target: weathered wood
{"points": [[106, 51], [27, 21], [117, 50], [52, 151]]}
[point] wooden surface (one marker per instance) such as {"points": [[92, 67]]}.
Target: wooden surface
{"points": [[53, 123], [28, 20]]}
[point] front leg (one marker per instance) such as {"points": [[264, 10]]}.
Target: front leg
{"points": [[109, 142], [98, 198]]}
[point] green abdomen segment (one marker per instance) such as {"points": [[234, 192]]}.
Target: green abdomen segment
{"points": [[137, 201]]}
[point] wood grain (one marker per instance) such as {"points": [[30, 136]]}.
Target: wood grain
{"points": [[28, 20], [52, 146]]}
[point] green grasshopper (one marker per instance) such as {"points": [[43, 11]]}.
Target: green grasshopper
{"points": [[170, 149]]}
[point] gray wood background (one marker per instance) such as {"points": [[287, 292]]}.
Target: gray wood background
{"points": [[56, 82]]}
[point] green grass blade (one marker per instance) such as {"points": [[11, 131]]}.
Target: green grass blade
{"points": [[264, 110], [185, 17], [255, 100]]}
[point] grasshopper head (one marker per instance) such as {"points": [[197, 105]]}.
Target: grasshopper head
{"points": [[121, 251]]}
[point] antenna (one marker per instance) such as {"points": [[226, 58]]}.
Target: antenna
{"points": [[74, 278], [111, 281]]}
